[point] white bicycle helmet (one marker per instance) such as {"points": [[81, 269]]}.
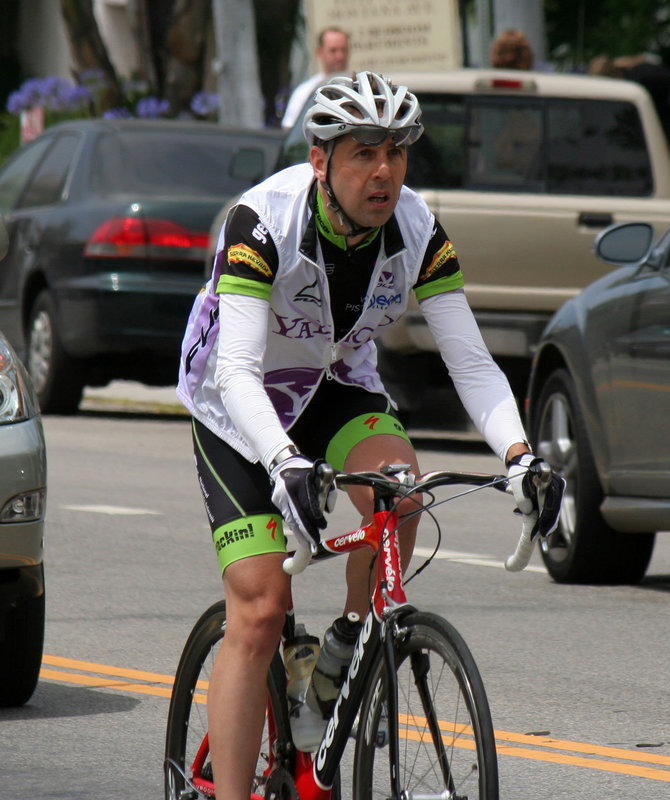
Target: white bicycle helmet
{"points": [[368, 107]]}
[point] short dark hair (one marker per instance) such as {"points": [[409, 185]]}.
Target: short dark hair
{"points": [[330, 29]]}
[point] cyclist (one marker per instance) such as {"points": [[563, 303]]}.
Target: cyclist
{"points": [[279, 368]]}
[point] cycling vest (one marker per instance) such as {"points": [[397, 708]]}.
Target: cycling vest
{"points": [[301, 347]]}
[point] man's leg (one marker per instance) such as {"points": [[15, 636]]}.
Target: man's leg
{"points": [[257, 595], [372, 454]]}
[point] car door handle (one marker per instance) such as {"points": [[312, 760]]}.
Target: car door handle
{"points": [[595, 219]]}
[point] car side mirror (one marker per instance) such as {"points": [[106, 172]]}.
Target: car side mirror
{"points": [[626, 243]]}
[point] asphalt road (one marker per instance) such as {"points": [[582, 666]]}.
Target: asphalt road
{"points": [[576, 676]]}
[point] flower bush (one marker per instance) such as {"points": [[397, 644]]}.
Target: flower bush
{"points": [[62, 100], [53, 94]]}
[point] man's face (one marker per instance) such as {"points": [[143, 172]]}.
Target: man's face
{"points": [[334, 52], [366, 180]]}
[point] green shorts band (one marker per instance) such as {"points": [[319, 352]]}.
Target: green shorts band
{"points": [[356, 430], [249, 536]]}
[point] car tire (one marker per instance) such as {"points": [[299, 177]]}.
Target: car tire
{"points": [[21, 649], [584, 548], [54, 374]]}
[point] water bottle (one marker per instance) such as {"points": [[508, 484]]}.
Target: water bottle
{"points": [[333, 662], [300, 656]]}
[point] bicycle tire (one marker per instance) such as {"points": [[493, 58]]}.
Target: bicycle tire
{"points": [[432, 654], [187, 717]]}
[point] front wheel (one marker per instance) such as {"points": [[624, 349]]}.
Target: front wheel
{"points": [[188, 770], [22, 625], [447, 745]]}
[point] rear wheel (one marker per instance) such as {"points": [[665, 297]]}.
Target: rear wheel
{"points": [[446, 741], [188, 771], [55, 375], [584, 548]]}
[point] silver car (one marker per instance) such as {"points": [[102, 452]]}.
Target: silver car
{"points": [[599, 403], [22, 509]]}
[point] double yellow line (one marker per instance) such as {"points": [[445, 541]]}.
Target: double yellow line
{"points": [[652, 766], [101, 676]]}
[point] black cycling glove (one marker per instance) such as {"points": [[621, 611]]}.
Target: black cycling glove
{"points": [[295, 493]]}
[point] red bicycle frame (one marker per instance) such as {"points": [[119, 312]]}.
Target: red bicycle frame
{"points": [[312, 771]]}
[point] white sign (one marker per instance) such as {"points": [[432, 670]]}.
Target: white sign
{"points": [[389, 35]]}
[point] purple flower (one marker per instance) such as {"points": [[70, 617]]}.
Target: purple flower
{"points": [[51, 92], [75, 98], [16, 102], [204, 103], [152, 108], [117, 113]]}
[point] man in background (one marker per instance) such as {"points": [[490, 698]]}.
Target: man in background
{"points": [[332, 51]]}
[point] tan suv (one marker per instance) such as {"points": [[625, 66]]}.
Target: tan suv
{"points": [[522, 169]]}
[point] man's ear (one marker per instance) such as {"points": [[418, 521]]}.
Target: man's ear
{"points": [[319, 161]]}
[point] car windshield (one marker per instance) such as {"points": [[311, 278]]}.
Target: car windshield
{"points": [[153, 162]]}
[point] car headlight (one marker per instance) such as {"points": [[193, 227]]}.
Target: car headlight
{"points": [[16, 397], [24, 507]]}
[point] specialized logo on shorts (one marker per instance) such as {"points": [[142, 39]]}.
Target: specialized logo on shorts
{"points": [[242, 254], [372, 420], [226, 536], [444, 254]]}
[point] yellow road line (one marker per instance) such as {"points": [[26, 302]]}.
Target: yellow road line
{"points": [[104, 669], [508, 743]]}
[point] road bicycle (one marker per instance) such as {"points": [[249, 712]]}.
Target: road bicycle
{"points": [[413, 696]]}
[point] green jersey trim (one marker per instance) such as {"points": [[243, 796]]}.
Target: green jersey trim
{"points": [[441, 285], [326, 229], [231, 284]]}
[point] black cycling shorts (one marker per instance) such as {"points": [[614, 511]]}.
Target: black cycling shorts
{"points": [[237, 493]]}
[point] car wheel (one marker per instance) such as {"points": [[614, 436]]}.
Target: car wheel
{"points": [[584, 548], [21, 649], [54, 374]]}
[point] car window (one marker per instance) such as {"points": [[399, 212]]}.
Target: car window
{"points": [[436, 160], [520, 144], [149, 163], [596, 148], [17, 171], [294, 149], [45, 187], [248, 165], [504, 145]]}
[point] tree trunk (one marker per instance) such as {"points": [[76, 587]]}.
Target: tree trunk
{"points": [[276, 23], [88, 50], [240, 98], [140, 23], [186, 43]]}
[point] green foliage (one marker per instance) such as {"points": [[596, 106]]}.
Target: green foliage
{"points": [[9, 135], [579, 30]]}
